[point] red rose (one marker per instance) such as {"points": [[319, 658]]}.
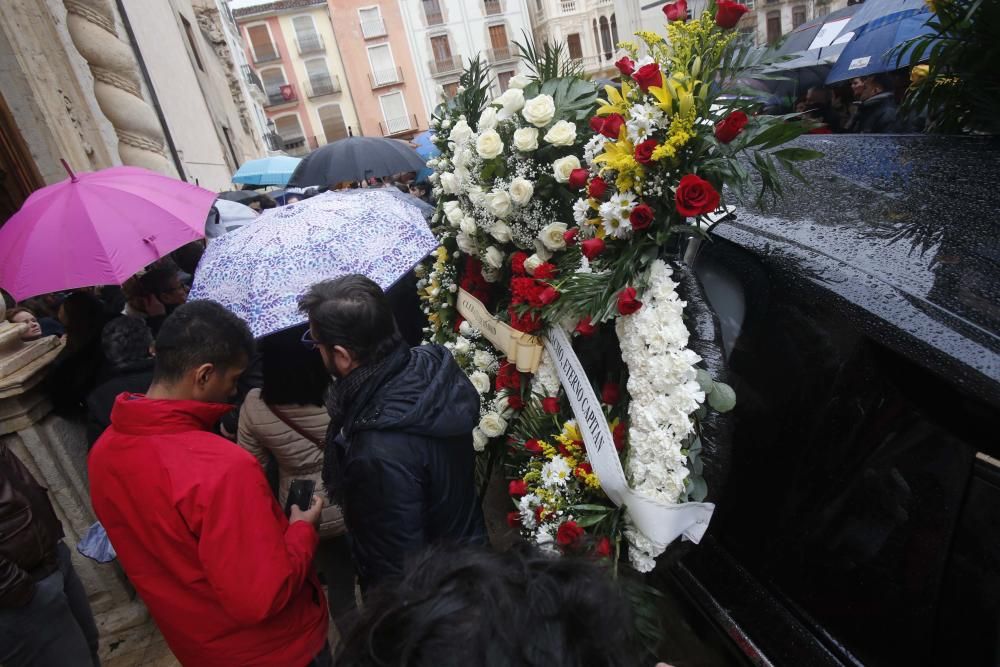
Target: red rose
{"points": [[729, 127], [598, 186], [551, 405], [610, 393], [648, 76], [641, 217], [603, 548], [627, 303], [591, 248], [517, 263], [545, 270], [626, 65], [533, 446], [515, 402], [596, 124], [695, 196], [513, 519], [549, 296], [612, 126], [585, 327], [618, 435], [569, 532], [578, 178], [569, 236], [517, 488], [729, 13], [644, 151], [676, 11]]}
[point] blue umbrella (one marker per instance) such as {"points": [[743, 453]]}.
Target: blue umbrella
{"points": [[260, 270], [423, 143], [872, 50], [267, 171]]}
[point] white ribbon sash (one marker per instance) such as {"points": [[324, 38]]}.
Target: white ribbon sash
{"points": [[661, 522]]}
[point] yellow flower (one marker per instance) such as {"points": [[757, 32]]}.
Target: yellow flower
{"points": [[651, 38], [665, 100], [919, 73], [617, 102]]}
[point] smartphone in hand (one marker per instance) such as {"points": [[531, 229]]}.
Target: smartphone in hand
{"points": [[300, 493]]}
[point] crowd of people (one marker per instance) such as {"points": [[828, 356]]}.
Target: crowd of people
{"points": [[867, 105], [200, 515]]}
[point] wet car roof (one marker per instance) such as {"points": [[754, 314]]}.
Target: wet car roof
{"points": [[907, 227]]}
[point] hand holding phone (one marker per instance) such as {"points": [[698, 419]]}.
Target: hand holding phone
{"points": [[303, 504]]}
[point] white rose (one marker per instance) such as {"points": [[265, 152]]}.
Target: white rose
{"points": [[533, 263], [526, 139], [552, 235], [446, 123], [479, 439], [467, 224], [521, 190], [494, 257], [539, 110], [449, 206], [462, 345], [519, 81], [476, 195], [489, 145], [499, 203], [465, 243], [492, 425], [465, 329], [501, 232], [450, 183], [488, 120], [563, 133], [482, 359], [564, 166], [542, 251], [512, 100], [481, 381], [460, 133], [455, 216]]}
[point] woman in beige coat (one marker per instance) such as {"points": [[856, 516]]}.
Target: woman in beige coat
{"points": [[286, 419]]}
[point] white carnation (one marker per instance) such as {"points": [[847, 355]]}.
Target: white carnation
{"points": [[479, 439], [468, 225], [563, 133], [521, 191], [482, 359], [564, 166], [450, 183], [460, 133], [539, 110], [489, 145], [462, 345], [552, 235]]}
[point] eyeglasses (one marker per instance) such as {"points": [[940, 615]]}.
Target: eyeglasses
{"points": [[309, 342]]}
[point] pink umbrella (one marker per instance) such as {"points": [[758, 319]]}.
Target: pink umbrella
{"points": [[98, 228]]}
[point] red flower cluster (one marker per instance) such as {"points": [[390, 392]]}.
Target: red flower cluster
{"points": [[610, 393], [517, 488], [530, 322], [729, 13], [591, 248], [644, 151], [508, 377], [517, 261], [568, 534], [472, 280], [610, 125], [545, 271], [641, 217], [676, 11], [627, 303], [533, 446], [598, 186], [602, 550], [586, 327], [618, 435], [648, 76], [550, 405], [515, 402]]}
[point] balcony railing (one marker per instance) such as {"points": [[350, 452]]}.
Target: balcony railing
{"points": [[445, 65], [311, 44], [492, 7], [400, 125], [275, 98], [328, 86], [499, 54], [590, 63], [266, 54], [251, 78], [567, 6], [298, 145], [433, 16], [385, 77], [373, 28]]}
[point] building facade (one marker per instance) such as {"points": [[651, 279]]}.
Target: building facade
{"points": [[446, 34], [384, 79], [212, 119], [587, 28], [294, 52], [775, 18]]}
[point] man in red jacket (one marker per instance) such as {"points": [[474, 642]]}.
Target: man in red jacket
{"points": [[227, 578]]}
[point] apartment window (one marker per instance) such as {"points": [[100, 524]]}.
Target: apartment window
{"points": [[232, 149], [573, 46], [289, 128], [309, 41], [798, 16], [606, 45], [773, 27], [503, 79], [332, 118], [394, 113], [383, 66], [372, 24], [441, 48], [614, 31], [261, 45], [320, 82], [450, 90], [498, 41], [273, 79], [492, 7], [432, 12], [191, 42]]}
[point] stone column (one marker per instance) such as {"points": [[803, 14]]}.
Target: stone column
{"points": [[55, 451], [117, 86]]}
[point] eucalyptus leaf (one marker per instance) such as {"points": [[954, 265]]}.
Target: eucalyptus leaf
{"points": [[722, 398]]}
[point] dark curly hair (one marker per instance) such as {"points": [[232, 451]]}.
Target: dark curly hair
{"points": [[478, 607]]}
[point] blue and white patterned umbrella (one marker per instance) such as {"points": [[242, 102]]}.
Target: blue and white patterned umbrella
{"points": [[259, 271]]}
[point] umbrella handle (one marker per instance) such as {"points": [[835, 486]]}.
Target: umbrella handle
{"points": [[72, 176]]}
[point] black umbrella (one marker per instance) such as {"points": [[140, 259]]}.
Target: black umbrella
{"points": [[239, 196], [355, 159]]}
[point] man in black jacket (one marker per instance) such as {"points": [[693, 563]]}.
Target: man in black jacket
{"points": [[45, 619], [399, 453], [876, 113]]}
